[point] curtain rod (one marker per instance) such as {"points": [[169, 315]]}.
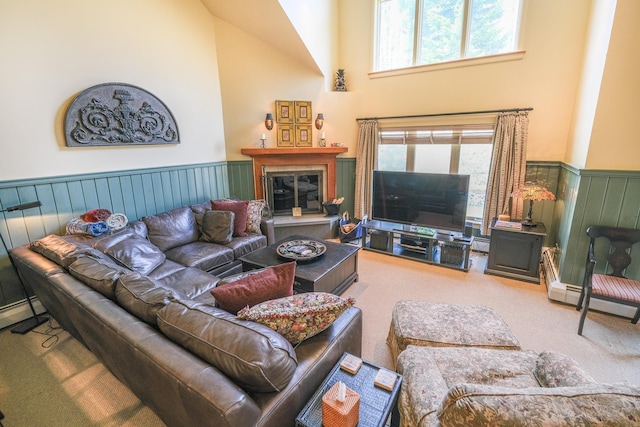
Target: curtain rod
{"points": [[509, 110]]}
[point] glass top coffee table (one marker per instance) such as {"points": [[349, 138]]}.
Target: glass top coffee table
{"points": [[376, 403], [331, 272]]}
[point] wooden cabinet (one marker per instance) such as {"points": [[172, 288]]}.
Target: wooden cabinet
{"points": [[516, 253]]}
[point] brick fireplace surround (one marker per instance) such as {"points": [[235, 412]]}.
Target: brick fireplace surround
{"points": [[263, 157]]}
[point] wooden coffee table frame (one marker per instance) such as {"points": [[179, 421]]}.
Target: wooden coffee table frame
{"points": [[332, 272]]}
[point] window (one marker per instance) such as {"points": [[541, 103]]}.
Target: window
{"points": [[463, 149], [421, 32]]}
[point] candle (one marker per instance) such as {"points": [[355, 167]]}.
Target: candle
{"points": [[263, 136], [322, 135]]}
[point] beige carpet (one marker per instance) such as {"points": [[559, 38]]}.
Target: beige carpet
{"points": [[64, 385]]}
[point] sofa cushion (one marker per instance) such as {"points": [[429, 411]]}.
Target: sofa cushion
{"points": [[167, 268], [559, 370], [98, 273], [189, 282], [239, 208], [199, 210], [137, 254], [56, 249], [250, 288], [486, 405], [202, 255], [141, 297], [299, 316], [104, 242], [173, 228], [252, 355], [217, 227], [242, 246]]}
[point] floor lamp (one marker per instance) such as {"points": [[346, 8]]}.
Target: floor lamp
{"points": [[32, 322]]}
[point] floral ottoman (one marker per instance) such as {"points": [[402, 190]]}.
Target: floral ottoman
{"points": [[447, 325]]}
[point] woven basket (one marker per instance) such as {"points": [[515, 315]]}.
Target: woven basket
{"points": [[340, 414]]}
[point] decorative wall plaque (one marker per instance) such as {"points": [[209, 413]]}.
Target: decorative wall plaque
{"points": [[294, 120], [118, 114]]}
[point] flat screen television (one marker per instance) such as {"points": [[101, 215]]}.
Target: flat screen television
{"points": [[430, 200]]}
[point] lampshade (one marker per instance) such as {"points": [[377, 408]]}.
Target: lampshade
{"points": [[268, 121], [319, 121], [532, 191]]}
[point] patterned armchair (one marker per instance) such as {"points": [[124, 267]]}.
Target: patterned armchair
{"points": [[457, 386]]}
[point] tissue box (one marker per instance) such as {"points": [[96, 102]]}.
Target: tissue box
{"points": [[340, 414]]}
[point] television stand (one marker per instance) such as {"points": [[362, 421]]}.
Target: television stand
{"points": [[448, 250]]}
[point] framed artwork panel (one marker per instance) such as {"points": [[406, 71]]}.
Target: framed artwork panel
{"points": [[303, 136], [286, 135], [285, 112], [303, 112]]}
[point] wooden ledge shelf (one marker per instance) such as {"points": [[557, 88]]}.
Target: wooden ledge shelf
{"points": [[257, 152]]}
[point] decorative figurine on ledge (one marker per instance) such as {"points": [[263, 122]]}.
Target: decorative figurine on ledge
{"points": [[341, 85]]}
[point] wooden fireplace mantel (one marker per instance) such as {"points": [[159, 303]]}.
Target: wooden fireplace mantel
{"points": [[294, 157]]}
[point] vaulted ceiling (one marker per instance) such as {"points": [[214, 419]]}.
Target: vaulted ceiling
{"points": [[266, 20]]}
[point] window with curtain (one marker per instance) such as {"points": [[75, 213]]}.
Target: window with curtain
{"points": [[463, 149], [421, 32]]}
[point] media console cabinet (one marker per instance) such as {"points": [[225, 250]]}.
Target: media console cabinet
{"points": [[447, 250]]}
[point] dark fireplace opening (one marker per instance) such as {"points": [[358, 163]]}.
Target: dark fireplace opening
{"points": [[299, 189]]}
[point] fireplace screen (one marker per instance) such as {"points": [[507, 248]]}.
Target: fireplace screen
{"points": [[300, 189]]}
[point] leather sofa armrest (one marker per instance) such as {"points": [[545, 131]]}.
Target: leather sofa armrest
{"points": [[268, 229]]}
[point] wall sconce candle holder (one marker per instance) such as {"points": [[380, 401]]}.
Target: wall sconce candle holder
{"points": [[268, 121], [319, 121]]}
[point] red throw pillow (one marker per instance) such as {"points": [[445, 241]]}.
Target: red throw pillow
{"points": [[248, 289], [239, 208]]}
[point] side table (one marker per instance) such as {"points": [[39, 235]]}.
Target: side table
{"points": [[516, 253], [376, 403]]}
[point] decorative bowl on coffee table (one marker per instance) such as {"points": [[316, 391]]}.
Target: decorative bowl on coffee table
{"points": [[301, 250]]}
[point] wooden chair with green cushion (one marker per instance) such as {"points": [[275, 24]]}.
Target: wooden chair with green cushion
{"points": [[613, 246]]}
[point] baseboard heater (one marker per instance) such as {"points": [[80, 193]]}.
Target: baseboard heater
{"points": [[569, 294], [19, 311]]}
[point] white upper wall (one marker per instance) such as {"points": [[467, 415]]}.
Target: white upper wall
{"points": [[53, 50], [614, 143]]}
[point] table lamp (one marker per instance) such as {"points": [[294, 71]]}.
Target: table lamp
{"points": [[532, 191]]}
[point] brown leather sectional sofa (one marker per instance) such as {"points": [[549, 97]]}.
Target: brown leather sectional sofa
{"points": [[108, 292]]}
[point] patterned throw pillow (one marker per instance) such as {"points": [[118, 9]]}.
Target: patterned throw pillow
{"points": [[299, 316], [254, 216]]}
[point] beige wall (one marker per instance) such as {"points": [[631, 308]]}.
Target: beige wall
{"points": [[546, 78], [52, 50], [614, 143], [219, 81]]}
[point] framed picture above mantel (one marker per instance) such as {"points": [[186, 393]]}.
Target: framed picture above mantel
{"points": [[294, 121]]}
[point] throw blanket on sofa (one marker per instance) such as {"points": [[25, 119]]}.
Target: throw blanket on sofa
{"points": [[96, 215], [80, 226]]}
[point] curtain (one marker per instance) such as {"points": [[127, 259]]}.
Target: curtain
{"points": [[508, 167], [365, 164]]}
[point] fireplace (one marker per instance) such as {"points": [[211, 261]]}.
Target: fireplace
{"points": [[300, 161], [294, 189]]}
